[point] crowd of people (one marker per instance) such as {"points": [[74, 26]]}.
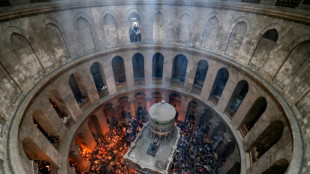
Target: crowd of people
{"points": [[107, 157], [44, 167], [195, 152]]}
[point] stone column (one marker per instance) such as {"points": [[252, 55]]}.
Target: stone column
{"points": [[148, 69], [131, 102], [183, 108], [167, 69], [190, 74], [129, 72], [210, 78], [234, 78], [39, 145], [68, 98], [89, 84], [102, 120], [109, 76], [116, 114], [84, 136]]}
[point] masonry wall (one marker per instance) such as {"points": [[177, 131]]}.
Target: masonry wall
{"points": [[40, 52]]}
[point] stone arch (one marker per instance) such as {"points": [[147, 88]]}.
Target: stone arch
{"points": [[138, 66], [159, 25], [140, 102], [279, 167], [85, 33], [263, 48], [219, 85], [94, 126], [179, 68], [297, 64], [56, 42], [157, 66], [184, 29], [156, 97], [200, 76], [211, 33], [78, 88], [236, 38], [110, 29], [255, 112], [24, 57], [119, 70], [237, 97], [33, 151], [43, 124], [269, 137], [99, 78]]}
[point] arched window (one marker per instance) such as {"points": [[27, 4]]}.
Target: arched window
{"points": [[85, 34], [179, 68], [219, 85], [94, 127], [118, 70], [236, 38], [236, 98], [279, 167], [158, 64], [97, 73], [61, 108], [257, 109], [134, 27], [266, 140], [263, 48], [201, 72], [138, 66], [77, 89]]}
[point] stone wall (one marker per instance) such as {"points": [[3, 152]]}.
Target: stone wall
{"points": [[40, 51]]}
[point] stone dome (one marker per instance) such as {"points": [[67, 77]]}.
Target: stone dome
{"points": [[162, 112]]}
